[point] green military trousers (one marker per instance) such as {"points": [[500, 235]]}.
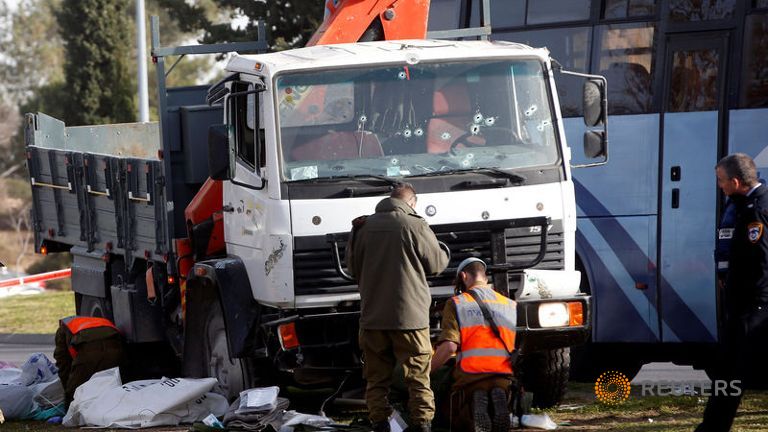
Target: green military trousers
{"points": [[382, 351]]}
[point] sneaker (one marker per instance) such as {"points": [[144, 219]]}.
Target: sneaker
{"points": [[500, 407], [480, 417]]}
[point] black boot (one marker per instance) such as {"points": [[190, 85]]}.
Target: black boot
{"points": [[500, 420], [480, 417]]}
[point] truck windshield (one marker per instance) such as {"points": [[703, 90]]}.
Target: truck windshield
{"points": [[415, 119]]}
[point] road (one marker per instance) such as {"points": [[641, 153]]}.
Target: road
{"points": [[19, 353]]}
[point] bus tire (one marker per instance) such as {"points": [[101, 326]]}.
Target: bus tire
{"points": [[231, 373], [545, 374]]}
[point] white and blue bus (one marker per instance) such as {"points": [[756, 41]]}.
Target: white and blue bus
{"points": [[687, 84]]}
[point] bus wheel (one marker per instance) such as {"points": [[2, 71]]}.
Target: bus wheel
{"points": [[545, 374], [230, 372]]}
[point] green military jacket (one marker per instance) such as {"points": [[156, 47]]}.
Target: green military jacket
{"points": [[390, 256]]}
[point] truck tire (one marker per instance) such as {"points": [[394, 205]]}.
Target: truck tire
{"points": [[545, 374], [231, 373], [94, 307]]}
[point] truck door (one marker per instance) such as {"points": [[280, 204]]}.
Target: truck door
{"points": [[692, 130], [244, 196]]}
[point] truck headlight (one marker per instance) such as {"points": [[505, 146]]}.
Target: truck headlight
{"points": [[561, 314], [553, 315]]}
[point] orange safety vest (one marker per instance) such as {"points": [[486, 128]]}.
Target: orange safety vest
{"points": [[76, 324], [481, 351]]}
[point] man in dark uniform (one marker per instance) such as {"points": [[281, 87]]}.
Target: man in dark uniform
{"points": [[390, 254], [746, 326], [84, 346]]}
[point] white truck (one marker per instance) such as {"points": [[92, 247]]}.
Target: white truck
{"points": [[240, 276]]}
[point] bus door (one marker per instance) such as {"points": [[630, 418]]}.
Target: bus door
{"points": [[692, 127]]}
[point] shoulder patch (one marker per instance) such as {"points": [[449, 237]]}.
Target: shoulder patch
{"points": [[755, 231]]}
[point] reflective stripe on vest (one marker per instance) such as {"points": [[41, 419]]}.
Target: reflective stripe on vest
{"points": [[76, 324], [481, 350]]}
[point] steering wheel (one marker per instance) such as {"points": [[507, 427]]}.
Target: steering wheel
{"points": [[487, 130]]}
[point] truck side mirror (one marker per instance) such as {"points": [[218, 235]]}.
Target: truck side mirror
{"points": [[595, 116], [594, 102], [218, 152], [595, 144]]}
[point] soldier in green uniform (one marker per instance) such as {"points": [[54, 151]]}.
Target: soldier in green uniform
{"points": [[390, 253]]}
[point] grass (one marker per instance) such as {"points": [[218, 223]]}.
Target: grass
{"points": [[35, 313], [581, 411]]}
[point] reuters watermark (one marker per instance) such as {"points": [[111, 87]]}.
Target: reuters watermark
{"points": [[702, 388], [613, 388]]}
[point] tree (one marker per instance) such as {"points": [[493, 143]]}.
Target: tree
{"points": [[290, 22], [31, 49], [97, 37]]}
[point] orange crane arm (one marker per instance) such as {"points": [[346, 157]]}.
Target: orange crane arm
{"points": [[347, 21]]}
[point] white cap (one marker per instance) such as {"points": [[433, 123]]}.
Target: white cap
{"points": [[469, 261]]}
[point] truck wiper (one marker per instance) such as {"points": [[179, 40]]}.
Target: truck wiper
{"points": [[359, 177], [512, 177]]}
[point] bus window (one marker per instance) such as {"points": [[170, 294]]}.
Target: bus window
{"points": [[754, 82], [694, 80], [507, 13], [570, 47], [618, 9], [687, 10], [552, 11], [626, 61], [444, 15]]}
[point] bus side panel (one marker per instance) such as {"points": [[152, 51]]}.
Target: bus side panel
{"points": [[616, 229], [746, 134], [688, 223], [619, 258]]}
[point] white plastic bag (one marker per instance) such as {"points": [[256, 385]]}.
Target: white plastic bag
{"points": [[48, 394], [10, 376], [103, 401], [258, 400], [16, 401], [293, 418], [38, 369], [538, 421]]}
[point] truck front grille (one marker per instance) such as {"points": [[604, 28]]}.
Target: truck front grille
{"points": [[314, 271]]}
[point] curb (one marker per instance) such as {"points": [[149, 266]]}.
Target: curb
{"points": [[27, 339]]}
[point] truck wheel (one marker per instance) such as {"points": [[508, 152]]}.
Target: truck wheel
{"points": [[230, 372], [94, 307], [545, 374]]}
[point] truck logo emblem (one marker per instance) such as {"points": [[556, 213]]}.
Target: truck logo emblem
{"points": [[430, 210]]}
